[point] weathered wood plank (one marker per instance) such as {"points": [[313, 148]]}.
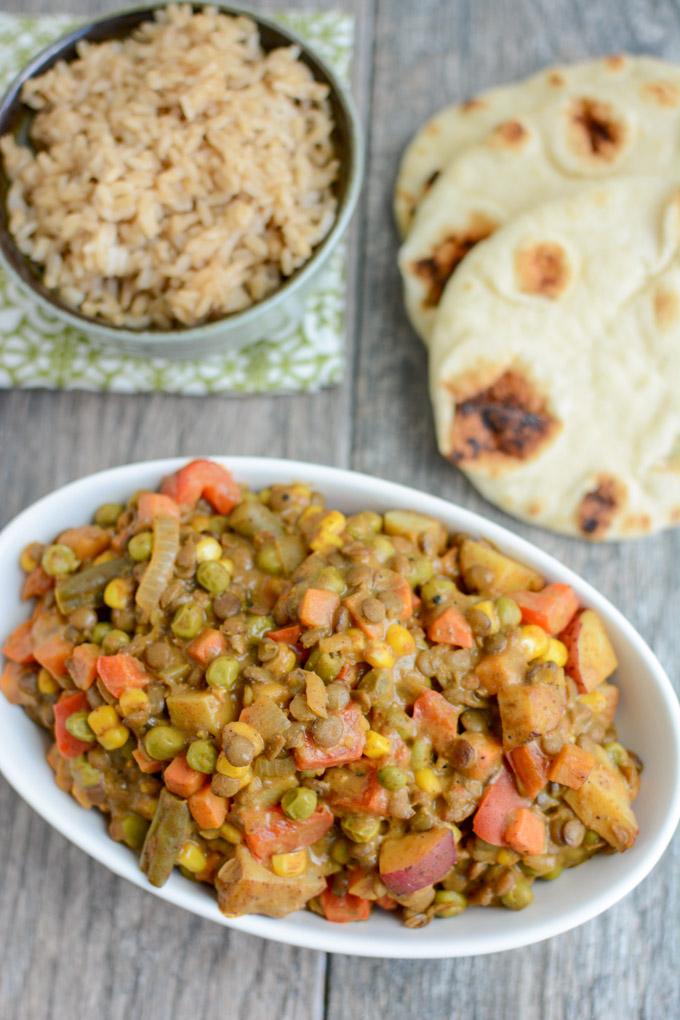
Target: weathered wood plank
{"points": [[78, 940], [625, 963]]}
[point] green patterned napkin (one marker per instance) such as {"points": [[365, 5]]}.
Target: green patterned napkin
{"points": [[36, 349]]}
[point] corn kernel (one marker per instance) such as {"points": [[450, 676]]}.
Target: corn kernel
{"points": [[534, 641], [231, 834], [132, 700], [244, 729], [27, 561], [117, 593], [428, 781], [289, 865], [225, 768], [113, 739], [489, 610], [313, 510], [556, 652], [102, 719], [208, 548], [594, 700], [201, 522], [192, 858], [400, 640], [46, 683], [331, 527], [376, 745], [379, 655], [105, 557]]}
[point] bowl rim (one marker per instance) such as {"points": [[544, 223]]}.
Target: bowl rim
{"points": [[351, 940], [355, 157]]}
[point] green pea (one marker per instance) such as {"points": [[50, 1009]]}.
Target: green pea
{"points": [[591, 838], [391, 777], [257, 626], [421, 753], [140, 546], [213, 576], [202, 756], [188, 621], [78, 726], [509, 613], [268, 559], [519, 897], [449, 903], [84, 773], [114, 640], [616, 752], [58, 560], [548, 876], [107, 514], [328, 666], [360, 828], [223, 672], [100, 630], [164, 742], [299, 803], [134, 829], [437, 590]]}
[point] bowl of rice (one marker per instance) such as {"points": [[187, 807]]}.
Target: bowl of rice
{"points": [[174, 179]]}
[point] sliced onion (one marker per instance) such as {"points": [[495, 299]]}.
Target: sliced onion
{"points": [[159, 572]]}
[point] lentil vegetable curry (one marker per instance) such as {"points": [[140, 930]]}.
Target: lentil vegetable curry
{"points": [[307, 709]]}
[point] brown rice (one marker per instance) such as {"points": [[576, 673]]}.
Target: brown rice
{"points": [[177, 176]]}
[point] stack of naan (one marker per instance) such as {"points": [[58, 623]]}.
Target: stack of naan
{"points": [[541, 266]]}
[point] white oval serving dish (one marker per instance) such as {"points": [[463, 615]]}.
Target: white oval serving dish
{"points": [[648, 721]]}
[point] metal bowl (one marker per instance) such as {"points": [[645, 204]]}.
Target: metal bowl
{"points": [[276, 312]]}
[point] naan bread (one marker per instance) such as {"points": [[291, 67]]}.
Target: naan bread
{"points": [[555, 362], [608, 121]]}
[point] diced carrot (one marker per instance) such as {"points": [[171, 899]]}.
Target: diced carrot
{"points": [[286, 635], [342, 909], [438, 719], [19, 645], [571, 767], [353, 604], [350, 747], [525, 833], [203, 478], [551, 608], [207, 646], [153, 504], [530, 766], [497, 803], [145, 763], [270, 832], [120, 672], [53, 653], [318, 607], [386, 902], [86, 542], [181, 779], [36, 583], [82, 665], [9, 683], [208, 810], [68, 705], [451, 628]]}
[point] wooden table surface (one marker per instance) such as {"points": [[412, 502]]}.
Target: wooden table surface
{"points": [[76, 940]]}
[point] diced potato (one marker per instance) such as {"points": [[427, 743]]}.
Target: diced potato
{"points": [[602, 702], [200, 710], [603, 803], [412, 525], [244, 886], [528, 710], [500, 669], [507, 574]]}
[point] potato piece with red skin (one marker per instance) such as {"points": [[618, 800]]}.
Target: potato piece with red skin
{"points": [[529, 710], [500, 669], [591, 658], [246, 886], [408, 863]]}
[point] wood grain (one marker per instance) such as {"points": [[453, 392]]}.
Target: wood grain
{"points": [[79, 941]]}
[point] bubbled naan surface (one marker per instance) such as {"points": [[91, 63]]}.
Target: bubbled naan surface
{"points": [[555, 362]]}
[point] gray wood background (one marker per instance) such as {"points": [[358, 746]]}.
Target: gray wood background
{"points": [[75, 940]]}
